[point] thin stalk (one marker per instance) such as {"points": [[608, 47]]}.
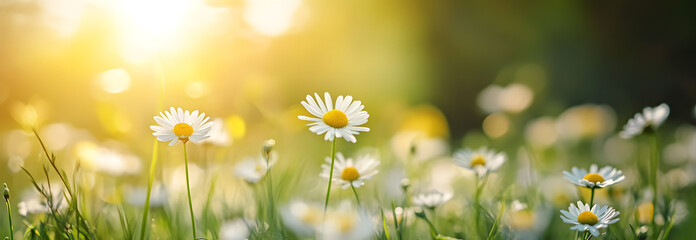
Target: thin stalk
{"points": [[9, 212], [271, 200], [146, 210], [477, 205], [669, 227], [494, 229], [188, 191], [396, 223], [153, 162], [356, 193], [587, 233], [53, 163], [592, 198], [333, 157], [433, 230], [654, 168], [384, 224]]}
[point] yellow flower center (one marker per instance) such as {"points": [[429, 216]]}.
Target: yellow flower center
{"points": [[478, 160], [345, 222], [593, 177], [335, 119], [588, 217], [350, 174], [311, 216], [645, 212], [260, 168], [182, 130], [522, 219]]}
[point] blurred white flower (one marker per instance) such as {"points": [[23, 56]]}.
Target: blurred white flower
{"points": [[406, 216], [585, 121], [342, 121], [302, 218], [106, 160], [253, 170], [541, 132], [177, 125], [346, 223], [158, 195], [36, 203], [527, 223], [348, 172], [234, 230], [595, 178], [556, 191], [651, 117], [417, 146], [431, 199], [219, 134], [513, 98], [592, 219], [480, 161]]}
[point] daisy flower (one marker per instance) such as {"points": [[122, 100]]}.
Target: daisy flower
{"points": [[480, 161], [592, 219], [302, 218], [177, 125], [341, 121], [651, 117], [346, 222], [234, 230], [219, 134], [253, 170], [595, 178], [431, 199], [348, 172]]}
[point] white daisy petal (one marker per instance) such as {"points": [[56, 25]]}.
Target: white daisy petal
{"points": [[170, 121], [340, 128], [650, 117]]}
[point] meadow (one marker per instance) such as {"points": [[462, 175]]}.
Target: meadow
{"points": [[389, 120]]}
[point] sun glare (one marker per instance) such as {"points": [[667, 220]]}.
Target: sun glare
{"points": [[149, 27], [270, 17]]}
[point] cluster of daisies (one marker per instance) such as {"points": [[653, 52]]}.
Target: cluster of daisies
{"points": [[343, 118]]}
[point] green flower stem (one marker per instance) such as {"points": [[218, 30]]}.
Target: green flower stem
{"points": [[477, 204], [356, 194], [146, 209], [592, 198], [669, 227], [153, 162], [587, 233], [433, 230], [494, 229], [384, 224], [269, 185], [188, 191], [6, 192], [654, 167], [396, 222], [333, 157]]}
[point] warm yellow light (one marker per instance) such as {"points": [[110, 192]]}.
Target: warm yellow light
{"points": [[270, 17], [114, 80], [149, 26], [196, 89]]}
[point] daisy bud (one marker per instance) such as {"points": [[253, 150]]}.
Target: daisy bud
{"points": [[268, 146], [642, 233], [405, 183], [6, 192]]}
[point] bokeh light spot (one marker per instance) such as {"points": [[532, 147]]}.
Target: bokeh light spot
{"points": [[114, 80]]}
